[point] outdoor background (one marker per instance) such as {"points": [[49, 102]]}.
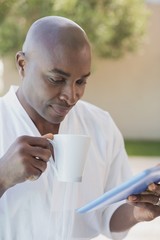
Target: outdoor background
{"points": [[128, 88]]}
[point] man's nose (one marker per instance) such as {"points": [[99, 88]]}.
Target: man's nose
{"points": [[70, 94]]}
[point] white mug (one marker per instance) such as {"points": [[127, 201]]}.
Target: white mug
{"points": [[70, 152]]}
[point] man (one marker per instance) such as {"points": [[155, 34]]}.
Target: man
{"points": [[54, 66]]}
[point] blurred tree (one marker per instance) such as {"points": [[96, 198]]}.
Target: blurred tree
{"points": [[113, 26]]}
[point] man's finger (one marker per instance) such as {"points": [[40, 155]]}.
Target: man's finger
{"points": [[49, 136], [149, 198]]}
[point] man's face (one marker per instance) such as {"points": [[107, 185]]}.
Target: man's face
{"points": [[53, 82]]}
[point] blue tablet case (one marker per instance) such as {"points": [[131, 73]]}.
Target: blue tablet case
{"points": [[135, 185]]}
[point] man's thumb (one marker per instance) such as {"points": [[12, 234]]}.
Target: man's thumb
{"points": [[48, 135]]}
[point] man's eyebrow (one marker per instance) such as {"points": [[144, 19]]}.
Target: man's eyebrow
{"points": [[86, 75], [61, 72], [66, 74]]}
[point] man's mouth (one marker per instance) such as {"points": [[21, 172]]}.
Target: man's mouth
{"points": [[60, 110]]}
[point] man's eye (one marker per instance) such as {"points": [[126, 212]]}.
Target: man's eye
{"points": [[81, 81], [56, 81]]}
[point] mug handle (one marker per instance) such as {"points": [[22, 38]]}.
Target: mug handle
{"points": [[53, 162]]}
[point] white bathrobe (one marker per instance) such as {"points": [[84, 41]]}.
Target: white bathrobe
{"points": [[45, 209]]}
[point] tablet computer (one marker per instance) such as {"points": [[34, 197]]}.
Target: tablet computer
{"points": [[135, 185]]}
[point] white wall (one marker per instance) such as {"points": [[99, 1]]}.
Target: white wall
{"points": [[129, 88]]}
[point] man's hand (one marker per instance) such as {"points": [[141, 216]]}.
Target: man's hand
{"points": [[26, 159], [147, 204], [140, 208]]}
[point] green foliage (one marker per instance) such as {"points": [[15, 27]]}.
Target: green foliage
{"points": [[113, 26], [142, 147]]}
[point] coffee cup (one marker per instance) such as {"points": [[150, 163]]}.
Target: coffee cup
{"points": [[70, 153]]}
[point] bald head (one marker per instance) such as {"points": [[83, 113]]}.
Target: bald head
{"points": [[52, 31], [54, 66]]}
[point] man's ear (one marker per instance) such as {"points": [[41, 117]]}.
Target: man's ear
{"points": [[20, 63]]}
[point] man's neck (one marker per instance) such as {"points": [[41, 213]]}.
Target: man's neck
{"points": [[45, 127]]}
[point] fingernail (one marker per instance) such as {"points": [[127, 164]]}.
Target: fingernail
{"points": [[132, 198], [152, 187]]}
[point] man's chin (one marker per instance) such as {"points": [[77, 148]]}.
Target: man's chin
{"points": [[57, 119]]}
